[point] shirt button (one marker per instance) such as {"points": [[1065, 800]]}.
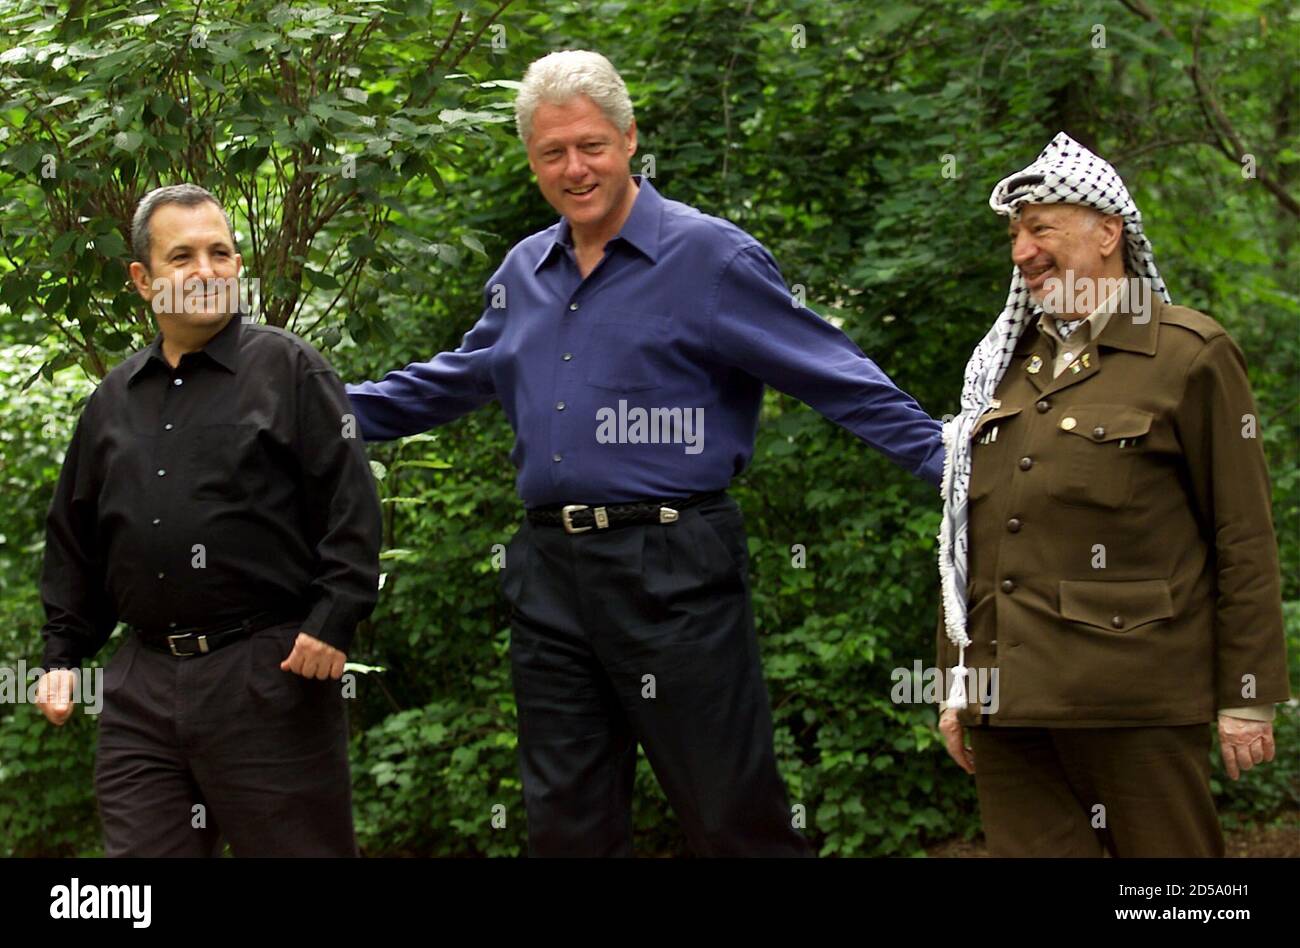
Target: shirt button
{"points": [[1013, 525], [573, 307], [1008, 586], [176, 381], [171, 625], [556, 457], [1117, 621], [161, 472], [559, 406], [993, 642], [1026, 463], [1069, 355], [1042, 406], [1099, 432], [567, 357], [160, 575], [156, 521], [167, 427]]}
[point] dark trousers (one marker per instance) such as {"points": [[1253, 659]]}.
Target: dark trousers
{"points": [[643, 634], [222, 746], [1040, 789]]}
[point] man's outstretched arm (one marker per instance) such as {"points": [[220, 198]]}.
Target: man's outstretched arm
{"points": [[427, 394], [756, 327]]}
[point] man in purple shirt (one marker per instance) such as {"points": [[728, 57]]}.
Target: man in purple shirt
{"points": [[629, 345]]}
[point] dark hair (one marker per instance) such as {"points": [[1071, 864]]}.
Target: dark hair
{"points": [[186, 195]]}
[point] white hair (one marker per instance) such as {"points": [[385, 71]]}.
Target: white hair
{"points": [[562, 76]]}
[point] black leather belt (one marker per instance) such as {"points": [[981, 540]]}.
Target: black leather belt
{"points": [[200, 641], [579, 518]]}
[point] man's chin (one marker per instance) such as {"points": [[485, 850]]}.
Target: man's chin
{"points": [[202, 319]]}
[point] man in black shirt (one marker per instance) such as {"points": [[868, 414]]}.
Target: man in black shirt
{"points": [[215, 498]]}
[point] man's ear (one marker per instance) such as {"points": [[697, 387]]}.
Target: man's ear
{"points": [[1112, 234], [631, 139], [140, 277]]}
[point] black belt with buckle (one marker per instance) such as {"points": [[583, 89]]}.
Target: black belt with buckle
{"points": [[200, 641], [579, 518]]}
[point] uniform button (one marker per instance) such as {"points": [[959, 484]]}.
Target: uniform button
{"points": [[1013, 525], [1043, 406], [573, 307], [559, 406], [171, 625], [1026, 463], [556, 457], [567, 357], [994, 643], [156, 521], [176, 381], [161, 472], [167, 427], [1099, 432], [1008, 586], [1068, 423], [1117, 621]]}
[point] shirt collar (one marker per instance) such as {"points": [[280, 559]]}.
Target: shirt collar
{"points": [[640, 230], [1093, 323], [223, 349]]}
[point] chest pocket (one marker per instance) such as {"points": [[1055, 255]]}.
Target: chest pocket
{"points": [[991, 450], [627, 352], [1097, 447], [224, 462]]}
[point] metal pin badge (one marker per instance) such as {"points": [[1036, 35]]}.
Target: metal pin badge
{"points": [[1035, 363]]}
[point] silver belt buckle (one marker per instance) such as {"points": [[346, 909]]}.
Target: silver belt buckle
{"points": [[202, 640], [602, 518], [566, 518]]}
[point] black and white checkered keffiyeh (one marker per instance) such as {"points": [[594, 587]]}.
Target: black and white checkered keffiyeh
{"points": [[1065, 173]]}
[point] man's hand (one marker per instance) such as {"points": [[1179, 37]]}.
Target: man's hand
{"points": [[312, 658], [1244, 743], [954, 738], [54, 695]]}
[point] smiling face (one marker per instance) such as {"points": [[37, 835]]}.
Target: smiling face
{"points": [[190, 278], [581, 162], [1048, 240]]}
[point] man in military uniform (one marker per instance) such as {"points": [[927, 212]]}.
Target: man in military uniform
{"points": [[1107, 543]]}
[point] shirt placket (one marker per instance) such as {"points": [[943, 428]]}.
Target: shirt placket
{"points": [[168, 478], [562, 432]]}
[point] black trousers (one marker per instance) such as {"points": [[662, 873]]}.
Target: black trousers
{"points": [[222, 746], [643, 634], [1128, 791]]}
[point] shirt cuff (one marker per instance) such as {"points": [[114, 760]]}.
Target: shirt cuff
{"points": [[333, 623], [60, 653], [1259, 712]]}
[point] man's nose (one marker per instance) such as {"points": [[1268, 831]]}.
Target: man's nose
{"points": [[204, 266], [574, 165], [1023, 249]]}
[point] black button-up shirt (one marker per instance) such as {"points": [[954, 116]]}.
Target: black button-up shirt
{"points": [[193, 497]]}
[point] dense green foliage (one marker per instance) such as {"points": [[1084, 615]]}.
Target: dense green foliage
{"points": [[859, 143]]}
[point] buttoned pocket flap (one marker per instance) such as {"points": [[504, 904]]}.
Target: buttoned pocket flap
{"points": [[1101, 423], [993, 417], [1116, 605]]}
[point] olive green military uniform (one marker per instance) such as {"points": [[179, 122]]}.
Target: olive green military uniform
{"points": [[1124, 584]]}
